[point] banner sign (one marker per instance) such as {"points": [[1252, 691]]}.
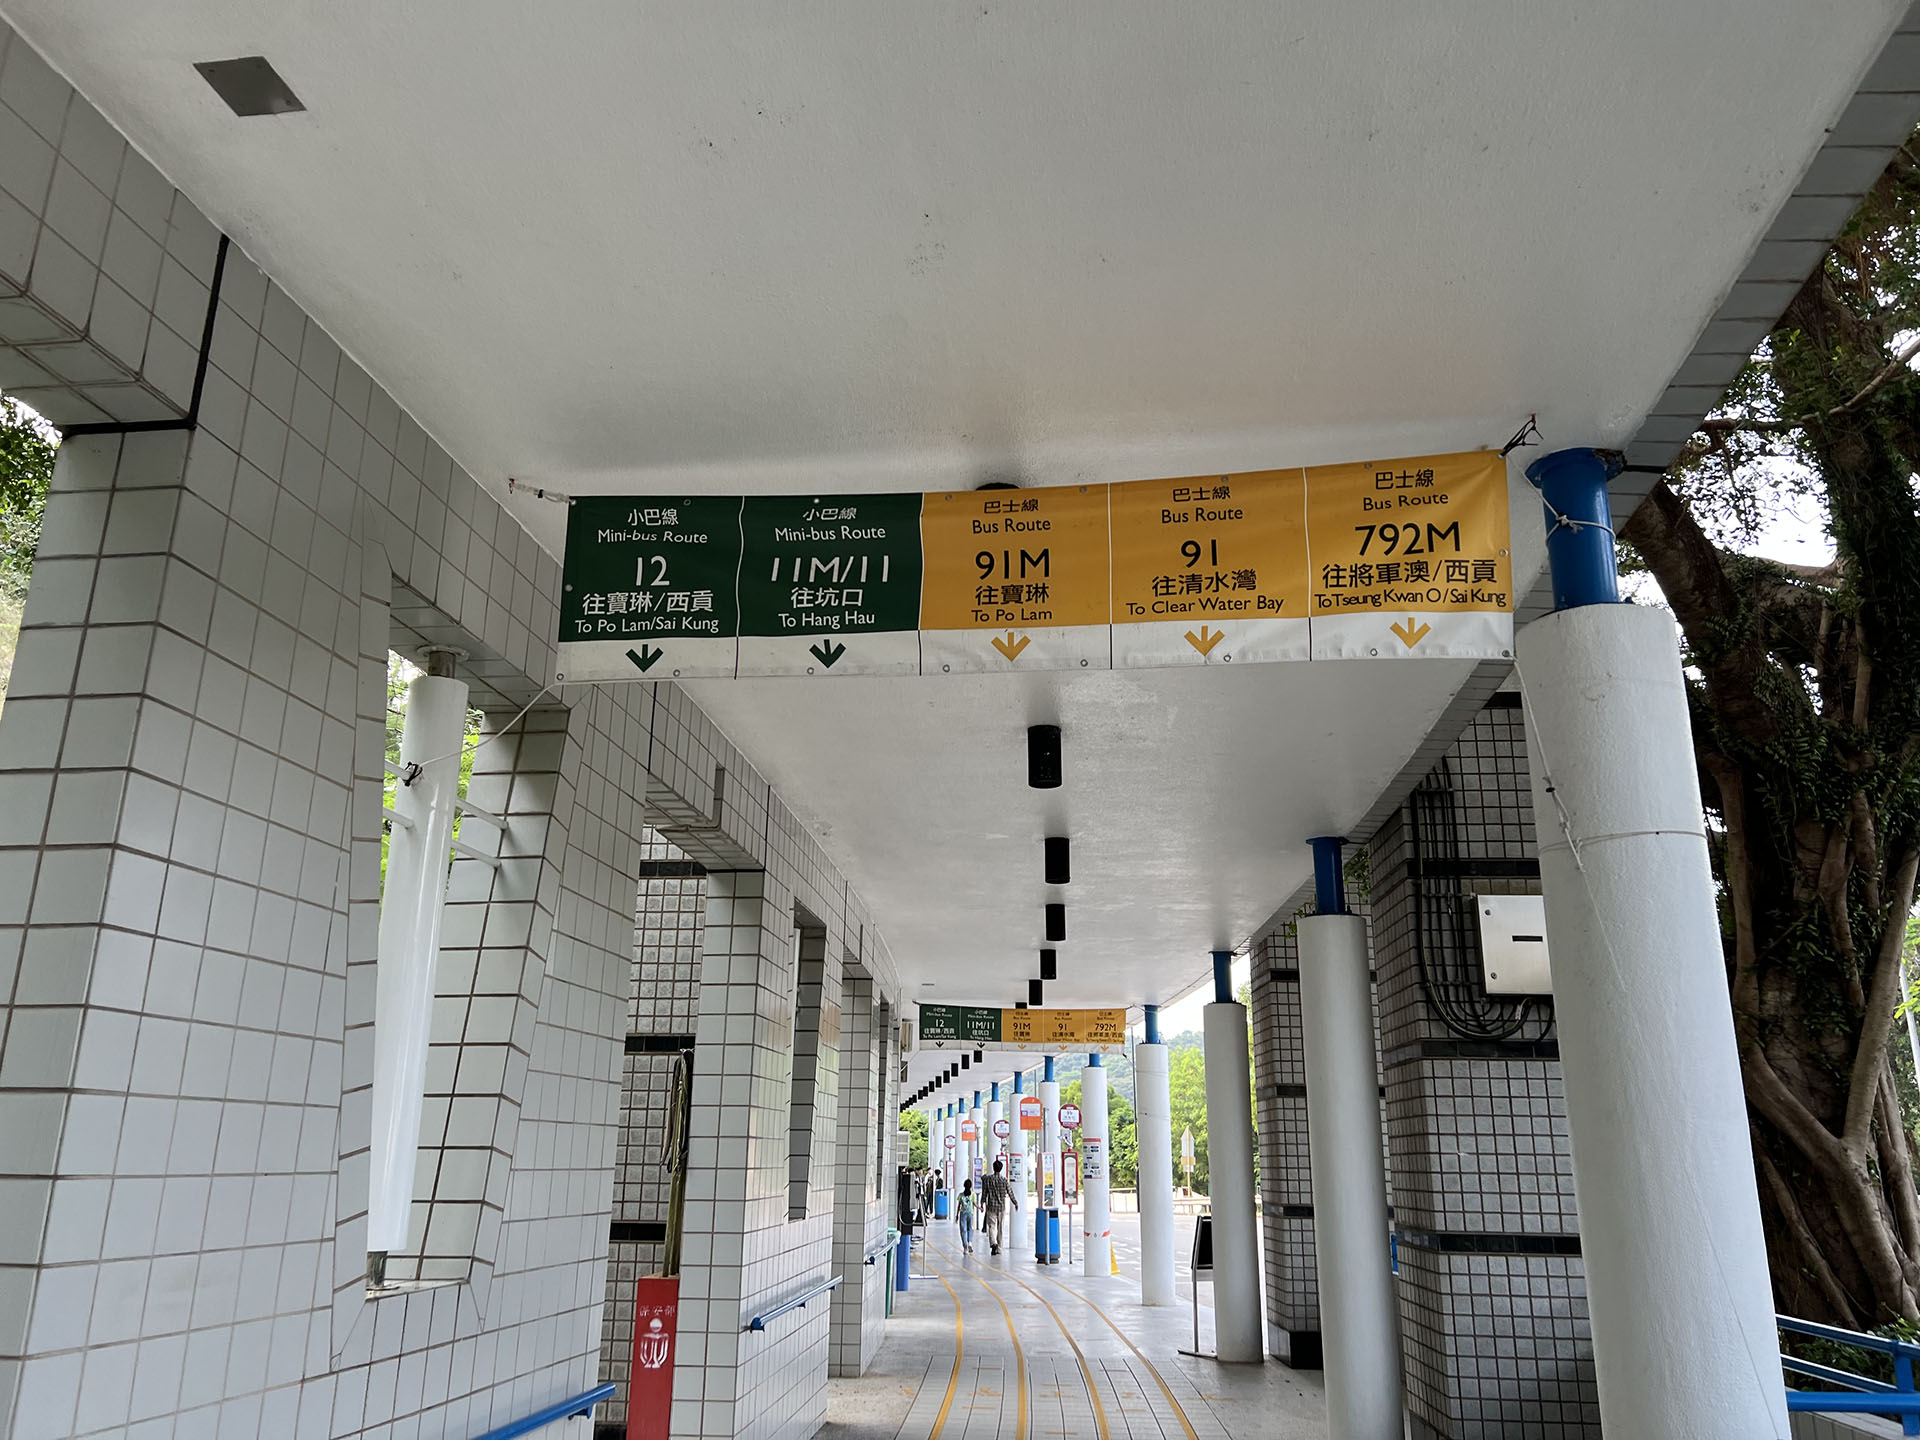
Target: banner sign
{"points": [[969, 1132], [656, 1321], [964, 1026], [1403, 558], [1032, 1113]]}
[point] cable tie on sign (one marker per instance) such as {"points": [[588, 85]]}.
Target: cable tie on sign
{"points": [[539, 492], [1527, 434]]}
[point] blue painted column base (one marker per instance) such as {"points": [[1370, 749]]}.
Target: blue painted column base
{"points": [[1573, 491]]}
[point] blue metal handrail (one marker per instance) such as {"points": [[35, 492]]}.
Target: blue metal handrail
{"points": [[888, 1244], [581, 1404], [1868, 1396], [799, 1302]]}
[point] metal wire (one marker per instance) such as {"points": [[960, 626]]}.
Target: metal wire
{"points": [[1446, 940]]}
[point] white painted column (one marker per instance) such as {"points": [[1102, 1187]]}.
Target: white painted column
{"points": [[1684, 1342], [996, 1112], [1049, 1178], [412, 901], [1359, 1320], [1239, 1336], [1096, 1257], [1153, 1107]]}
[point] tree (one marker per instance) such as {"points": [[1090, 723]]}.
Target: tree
{"points": [[1804, 686], [914, 1122], [1187, 1096], [1123, 1145], [27, 445]]}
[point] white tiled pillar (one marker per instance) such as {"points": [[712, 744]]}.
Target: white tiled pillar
{"points": [[860, 1190], [744, 1256]]}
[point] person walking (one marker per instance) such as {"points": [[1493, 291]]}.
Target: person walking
{"points": [[995, 1195], [966, 1217]]}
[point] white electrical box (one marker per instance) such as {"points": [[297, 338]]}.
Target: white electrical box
{"points": [[1513, 944]]}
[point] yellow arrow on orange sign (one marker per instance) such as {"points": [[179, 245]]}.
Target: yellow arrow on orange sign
{"points": [[1412, 633], [1205, 640], [1011, 647]]}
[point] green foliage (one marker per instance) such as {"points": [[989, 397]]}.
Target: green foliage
{"points": [[27, 445], [1123, 1141], [914, 1122], [1804, 690], [1187, 1094]]}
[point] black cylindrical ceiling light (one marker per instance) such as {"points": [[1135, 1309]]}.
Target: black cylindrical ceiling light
{"points": [[1049, 966], [1043, 757], [1019, 1004], [1059, 866], [966, 1062], [1033, 994], [1056, 921], [979, 1057]]}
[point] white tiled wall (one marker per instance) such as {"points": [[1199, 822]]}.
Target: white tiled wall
{"points": [[190, 764]]}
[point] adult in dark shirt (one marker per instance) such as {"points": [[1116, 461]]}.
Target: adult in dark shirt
{"points": [[995, 1195]]}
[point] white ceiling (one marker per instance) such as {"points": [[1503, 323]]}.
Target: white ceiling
{"points": [[697, 246]]}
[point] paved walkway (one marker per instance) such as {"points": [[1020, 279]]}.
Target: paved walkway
{"points": [[997, 1348]]}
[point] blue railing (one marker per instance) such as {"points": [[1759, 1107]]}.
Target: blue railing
{"points": [[581, 1404], [1859, 1394], [799, 1302]]}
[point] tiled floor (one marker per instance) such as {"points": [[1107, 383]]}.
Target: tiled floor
{"points": [[996, 1348]]}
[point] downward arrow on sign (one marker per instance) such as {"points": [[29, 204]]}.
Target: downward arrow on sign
{"points": [[826, 652], [1011, 647], [1411, 633], [1205, 640], [646, 656]]}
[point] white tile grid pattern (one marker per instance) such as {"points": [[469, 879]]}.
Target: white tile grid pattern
{"points": [[180, 960], [859, 1222], [743, 1255], [496, 939], [1496, 1344], [669, 921], [1286, 1174], [104, 269]]}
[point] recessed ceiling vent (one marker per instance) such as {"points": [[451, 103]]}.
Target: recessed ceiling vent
{"points": [[250, 86]]}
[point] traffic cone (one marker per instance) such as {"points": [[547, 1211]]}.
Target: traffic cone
{"points": [[1113, 1260]]}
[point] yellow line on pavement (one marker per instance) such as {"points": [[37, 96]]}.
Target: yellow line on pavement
{"points": [[1159, 1379], [959, 1346], [1019, 1356], [1086, 1370]]}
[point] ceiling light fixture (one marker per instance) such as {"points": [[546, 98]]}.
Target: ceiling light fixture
{"points": [[1056, 921], [1059, 866], [1034, 992], [1043, 757], [250, 86], [1049, 966]]}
